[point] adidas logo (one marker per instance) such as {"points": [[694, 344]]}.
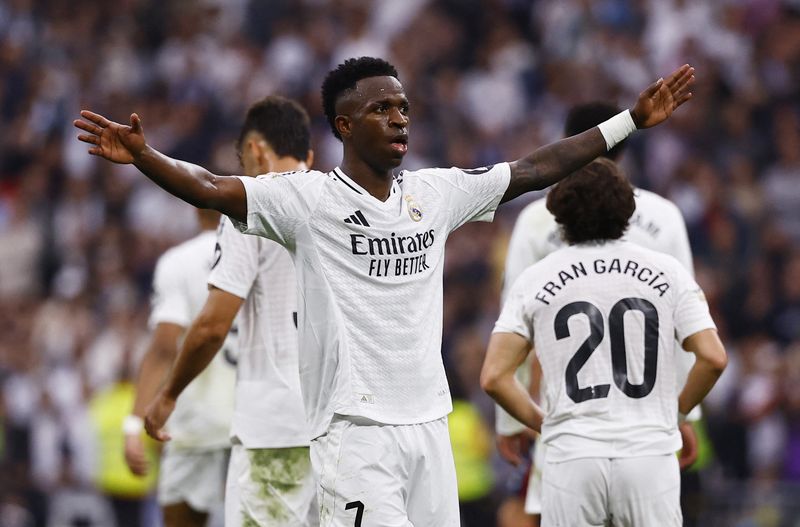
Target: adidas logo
{"points": [[358, 218]]}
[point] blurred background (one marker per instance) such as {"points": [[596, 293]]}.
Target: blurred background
{"points": [[488, 80]]}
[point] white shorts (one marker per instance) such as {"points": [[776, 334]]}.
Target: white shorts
{"points": [[376, 475], [196, 478], [271, 487], [533, 496], [623, 492]]}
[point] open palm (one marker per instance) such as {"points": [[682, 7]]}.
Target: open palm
{"points": [[113, 141], [660, 99]]}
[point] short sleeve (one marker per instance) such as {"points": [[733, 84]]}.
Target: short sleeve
{"points": [[236, 256], [514, 317], [691, 312], [169, 302], [276, 207], [474, 194]]}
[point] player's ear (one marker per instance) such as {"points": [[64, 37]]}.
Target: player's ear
{"points": [[263, 154], [310, 159], [343, 125]]}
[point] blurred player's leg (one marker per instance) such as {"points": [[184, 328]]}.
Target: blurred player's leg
{"points": [[270, 487], [576, 493], [646, 491], [533, 497], [191, 485]]}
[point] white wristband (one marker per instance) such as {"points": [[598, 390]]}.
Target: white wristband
{"points": [[616, 129], [132, 425], [681, 418]]}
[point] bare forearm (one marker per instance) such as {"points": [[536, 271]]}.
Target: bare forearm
{"points": [[702, 378], [152, 372], [191, 183], [510, 394], [196, 354], [551, 163]]}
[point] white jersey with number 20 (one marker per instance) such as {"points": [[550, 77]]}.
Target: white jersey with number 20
{"points": [[603, 319]]}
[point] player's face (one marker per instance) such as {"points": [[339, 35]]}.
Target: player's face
{"points": [[379, 122]]}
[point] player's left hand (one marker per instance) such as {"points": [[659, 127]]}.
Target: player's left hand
{"points": [[157, 414], [690, 450], [660, 99]]}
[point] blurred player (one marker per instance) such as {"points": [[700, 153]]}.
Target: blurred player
{"points": [[656, 224], [270, 483], [192, 473], [602, 315], [369, 249]]}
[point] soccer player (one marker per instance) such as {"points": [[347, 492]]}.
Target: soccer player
{"points": [[269, 477], [602, 315], [192, 473], [656, 224], [368, 247]]}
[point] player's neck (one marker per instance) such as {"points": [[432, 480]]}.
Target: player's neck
{"points": [[288, 164], [377, 182]]}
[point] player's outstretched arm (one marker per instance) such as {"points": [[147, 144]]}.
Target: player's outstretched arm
{"points": [[507, 351], [551, 163], [711, 362], [204, 338], [156, 363], [126, 144]]}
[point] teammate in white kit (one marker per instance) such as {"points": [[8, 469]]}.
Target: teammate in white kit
{"points": [[270, 483], [602, 315], [368, 248], [192, 472], [656, 224]]}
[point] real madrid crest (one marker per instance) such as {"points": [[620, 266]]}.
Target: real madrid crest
{"points": [[413, 209]]}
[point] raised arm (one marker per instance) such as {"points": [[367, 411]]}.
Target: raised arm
{"points": [[204, 338], [126, 144], [551, 163]]}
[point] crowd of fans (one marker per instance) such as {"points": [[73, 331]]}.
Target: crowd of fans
{"points": [[488, 80]]}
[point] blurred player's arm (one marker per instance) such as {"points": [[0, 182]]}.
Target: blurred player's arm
{"points": [[549, 164], [126, 144], [711, 362], [156, 363], [205, 337], [507, 351]]}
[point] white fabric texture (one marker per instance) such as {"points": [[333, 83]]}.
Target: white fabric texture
{"points": [[202, 415], [656, 224], [370, 283], [269, 410], [603, 319]]}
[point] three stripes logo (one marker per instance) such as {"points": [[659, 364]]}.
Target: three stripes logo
{"points": [[357, 218]]}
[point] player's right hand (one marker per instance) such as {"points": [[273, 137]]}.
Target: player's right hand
{"points": [[514, 448], [113, 141], [135, 456], [157, 414]]}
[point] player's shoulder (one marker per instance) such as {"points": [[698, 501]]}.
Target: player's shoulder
{"points": [[535, 214], [660, 260], [442, 173], [650, 201], [295, 176], [189, 250]]}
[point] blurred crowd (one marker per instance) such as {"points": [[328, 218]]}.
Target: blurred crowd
{"points": [[488, 80]]}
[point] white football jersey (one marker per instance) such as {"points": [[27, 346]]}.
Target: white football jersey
{"points": [[370, 283], [656, 224], [603, 319], [269, 409], [202, 415]]}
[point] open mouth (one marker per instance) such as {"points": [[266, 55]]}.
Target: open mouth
{"points": [[400, 144]]}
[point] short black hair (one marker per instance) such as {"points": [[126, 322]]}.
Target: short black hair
{"points": [[345, 77], [582, 117], [595, 203], [283, 123]]}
